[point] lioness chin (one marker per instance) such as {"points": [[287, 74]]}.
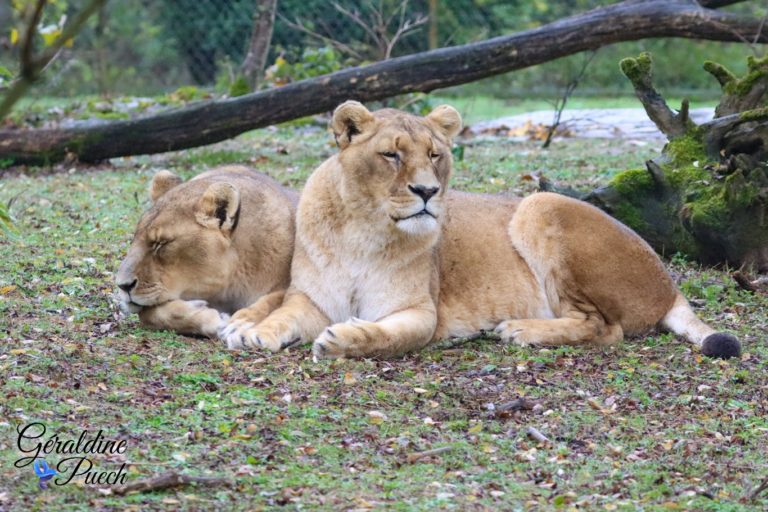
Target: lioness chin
{"points": [[208, 247], [386, 260]]}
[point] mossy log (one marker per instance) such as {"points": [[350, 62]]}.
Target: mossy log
{"points": [[706, 195]]}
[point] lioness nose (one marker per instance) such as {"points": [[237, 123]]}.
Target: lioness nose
{"points": [[127, 287], [423, 192]]}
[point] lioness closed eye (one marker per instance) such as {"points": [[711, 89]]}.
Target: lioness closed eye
{"points": [[386, 260], [208, 247]]}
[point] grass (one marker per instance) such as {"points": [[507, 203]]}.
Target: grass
{"points": [[647, 425]]}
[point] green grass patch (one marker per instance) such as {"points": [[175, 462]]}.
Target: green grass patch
{"points": [[646, 425]]}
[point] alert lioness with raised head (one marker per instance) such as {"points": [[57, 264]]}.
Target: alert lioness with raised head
{"points": [[386, 260], [207, 247]]}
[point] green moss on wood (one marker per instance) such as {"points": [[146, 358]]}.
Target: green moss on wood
{"points": [[637, 69], [758, 70], [632, 181], [756, 114], [632, 216], [686, 149], [711, 210], [723, 74]]}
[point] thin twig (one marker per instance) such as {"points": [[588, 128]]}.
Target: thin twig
{"points": [[402, 31], [168, 481], [759, 30], [534, 434], [760, 488], [563, 100], [751, 44], [355, 17], [298, 25], [416, 456], [27, 47], [519, 404]]}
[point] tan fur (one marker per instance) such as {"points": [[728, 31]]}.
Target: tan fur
{"points": [[545, 270], [208, 247]]}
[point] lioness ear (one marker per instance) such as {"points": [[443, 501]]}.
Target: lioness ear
{"points": [[161, 183], [219, 207], [447, 120], [349, 119]]}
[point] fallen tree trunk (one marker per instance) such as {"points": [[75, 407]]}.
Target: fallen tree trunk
{"points": [[213, 121], [706, 196]]}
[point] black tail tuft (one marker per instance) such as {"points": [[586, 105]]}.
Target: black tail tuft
{"points": [[722, 345]]}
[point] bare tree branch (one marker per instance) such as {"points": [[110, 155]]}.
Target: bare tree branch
{"points": [[376, 28], [404, 28], [28, 71], [169, 481], [355, 17], [32, 66], [563, 100], [298, 25]]}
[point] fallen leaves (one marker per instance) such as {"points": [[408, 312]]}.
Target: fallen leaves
{"points": [[376, 417], [5, 290], [528, 131]]}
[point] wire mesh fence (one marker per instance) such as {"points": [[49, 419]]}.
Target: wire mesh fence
{"points": [[145, 46]]}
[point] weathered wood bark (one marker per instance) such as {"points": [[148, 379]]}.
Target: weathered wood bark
{"points": [[213, 121], [706, 196], [252, 67]]}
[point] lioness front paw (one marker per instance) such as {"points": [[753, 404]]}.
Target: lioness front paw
{"points": [[211, 320], [511, 331], [340, 340], [239, 334]]}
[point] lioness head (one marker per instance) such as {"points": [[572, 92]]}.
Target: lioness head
{"points": [[396, 165], [181, 246]]}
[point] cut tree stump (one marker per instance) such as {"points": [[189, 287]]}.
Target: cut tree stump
{"points": [[706, 196], [213, 121]]}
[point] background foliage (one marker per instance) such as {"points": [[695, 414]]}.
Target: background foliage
{"points": [[144, 47]]}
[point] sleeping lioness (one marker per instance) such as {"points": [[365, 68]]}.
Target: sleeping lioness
{"points": [[208, 247], [387, 260]]}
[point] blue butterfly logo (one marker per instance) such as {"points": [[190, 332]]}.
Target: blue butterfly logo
{"points": [[44, 472]]}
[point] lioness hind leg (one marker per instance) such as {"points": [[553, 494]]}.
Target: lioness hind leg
{"points": [[681, 320], [560, 331], [296, 321]]}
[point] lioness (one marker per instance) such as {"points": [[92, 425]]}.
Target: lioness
{"points": [[208, 247], [386, 260]]}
